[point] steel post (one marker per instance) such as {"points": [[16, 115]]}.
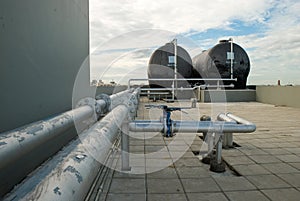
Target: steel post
{"points": [[125, 146]]}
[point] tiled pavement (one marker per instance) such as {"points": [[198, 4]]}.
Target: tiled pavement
{"points": [[266, 166]]}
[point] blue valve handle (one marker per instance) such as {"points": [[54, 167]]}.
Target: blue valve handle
{"points": [[167, 115]]}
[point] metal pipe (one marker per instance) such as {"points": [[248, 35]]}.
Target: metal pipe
{"points": [[146, 126], [17, 144], [191, 127], [70, 173], [219, 148], [240, 120], [71, 178], [231, 57], [223, 117], [175, 65], [179, 79], [187, 89]]}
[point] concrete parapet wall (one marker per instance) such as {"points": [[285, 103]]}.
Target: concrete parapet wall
{"points": [[226, 96], [109, 90], [279, 95]]}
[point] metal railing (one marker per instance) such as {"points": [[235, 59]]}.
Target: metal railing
{"points": [[175, 89], [229, 124]]}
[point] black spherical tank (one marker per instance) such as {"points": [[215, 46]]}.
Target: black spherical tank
{"points": [[216, 63], [162, 63]]}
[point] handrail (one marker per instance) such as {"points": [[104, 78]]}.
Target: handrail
{"points": [[180, 79]]}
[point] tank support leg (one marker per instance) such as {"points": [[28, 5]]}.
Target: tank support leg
{"points": [[217, 165]]}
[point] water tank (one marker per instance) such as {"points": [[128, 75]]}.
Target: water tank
{"points": [[161, 66], [216, 63]]}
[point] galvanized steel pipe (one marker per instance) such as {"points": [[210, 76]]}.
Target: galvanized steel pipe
{"points": [[192, 127], [74, 174], [18, 143], [78, 163]]}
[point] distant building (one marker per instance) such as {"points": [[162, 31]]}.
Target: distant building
{"points": [[94, 83], [100, 83]]}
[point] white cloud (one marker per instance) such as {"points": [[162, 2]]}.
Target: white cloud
{"points": [[112, 18], [273, 53]]}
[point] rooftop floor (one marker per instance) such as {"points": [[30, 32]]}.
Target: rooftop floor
{"points": [[266, 166]]}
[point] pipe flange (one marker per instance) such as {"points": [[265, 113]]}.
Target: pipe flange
{"points": [[107, 100]]}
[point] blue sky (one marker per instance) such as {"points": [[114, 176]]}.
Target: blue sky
{"points": [[124, 33]]}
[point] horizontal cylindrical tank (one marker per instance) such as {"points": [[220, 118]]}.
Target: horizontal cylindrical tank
{"points": [[217, 62], [162, 64]]}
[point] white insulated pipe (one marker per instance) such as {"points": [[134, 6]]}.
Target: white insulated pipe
{"points": [[15, 145], [71, 174]]}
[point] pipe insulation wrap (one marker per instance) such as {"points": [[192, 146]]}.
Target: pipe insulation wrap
{"points": [[17, 143], [72, 177], [54, 132]]}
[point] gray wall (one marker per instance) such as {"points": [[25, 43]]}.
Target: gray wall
{"points": [[42, 46], [279, 95]]}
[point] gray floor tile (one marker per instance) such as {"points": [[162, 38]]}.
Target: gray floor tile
{"points": [[295, 165], [192, 172], [267, 181], [118, 174], [125, 185], [189, 154], [246, 196], [136, 149], [158, 162], [232, 183], [280, 168], [159, 154], [253, 151], [164, 186], [289, 158], [207, 197], [293, 179], [167, 197], [232, 152], [126, 197], [176, 155], [188, 162], [277, 151], [283, 194], [293, 150], [200, 185], [178, 148], [159, 148], [238, 160], [252, 169], [165, 173], [265, 159]]}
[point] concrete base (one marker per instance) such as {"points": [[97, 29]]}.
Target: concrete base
{"points": [[207, 96]]}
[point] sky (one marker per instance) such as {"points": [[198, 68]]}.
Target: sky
{"points": [[124, 34]]}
